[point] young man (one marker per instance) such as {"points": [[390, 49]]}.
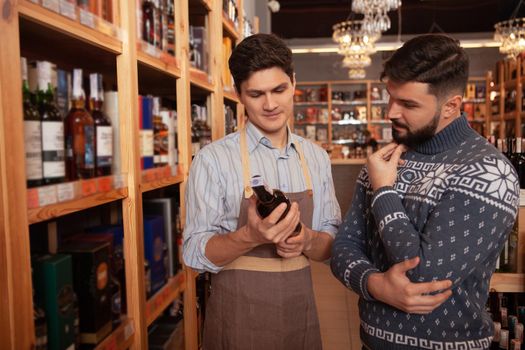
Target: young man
{"points": [[420, 242], [261, 295]]}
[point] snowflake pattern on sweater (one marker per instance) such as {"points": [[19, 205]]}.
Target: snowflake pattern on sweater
{"points": [[453, 205]]}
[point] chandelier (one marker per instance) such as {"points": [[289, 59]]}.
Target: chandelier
{"points": [[511, 35], [376, 19], [355, 45]]}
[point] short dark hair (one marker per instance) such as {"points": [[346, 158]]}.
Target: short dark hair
{"points": [[258, 52], [435, 59]]}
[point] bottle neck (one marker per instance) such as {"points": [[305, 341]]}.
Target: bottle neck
{"points": [[78, 102], [263, 194]]}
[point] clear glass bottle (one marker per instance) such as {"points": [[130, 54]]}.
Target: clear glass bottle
{"points": [[103, 129], [32, 133], [80, 130]]}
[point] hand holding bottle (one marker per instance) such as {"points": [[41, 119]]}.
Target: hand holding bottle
{"points": [[272, 229], [296, 244]]}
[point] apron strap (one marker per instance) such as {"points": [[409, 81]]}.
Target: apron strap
{"points": [[245, 160], [306, 173]]}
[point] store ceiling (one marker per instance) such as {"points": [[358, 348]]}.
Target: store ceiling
{"points": [[315, 18]]}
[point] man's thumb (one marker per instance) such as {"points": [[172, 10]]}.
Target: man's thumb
{"points": [[409, 264]]}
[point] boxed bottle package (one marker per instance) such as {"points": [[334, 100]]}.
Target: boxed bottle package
{"points": [[154, 252], [53, 283], [91, 283]]}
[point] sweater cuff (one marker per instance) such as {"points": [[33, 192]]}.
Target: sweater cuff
{"points": [[359, 278], [387, 206]]}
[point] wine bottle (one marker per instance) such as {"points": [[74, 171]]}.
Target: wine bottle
{"points": [[80, 142], [268, 200], [103, 129], [32, 133], [53, 164]]}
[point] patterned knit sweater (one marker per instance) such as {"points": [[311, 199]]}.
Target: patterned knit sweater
{"points": [[453, 205]]}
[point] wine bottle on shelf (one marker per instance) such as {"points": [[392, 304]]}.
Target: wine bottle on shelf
{"points": [[170, 31], [148, 21], [495, 339], [32, 133], [103, 129], [80, 142], [520, 162], [268, 200], [53, 155]]}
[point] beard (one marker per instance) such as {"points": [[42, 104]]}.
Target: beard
{"points": [[414, 138]]}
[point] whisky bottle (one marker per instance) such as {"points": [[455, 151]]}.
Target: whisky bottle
{"points": [[32, 133], [103, 129], [53, 165], [148, 21], [170, 32], [80, 142], [268, 200]]}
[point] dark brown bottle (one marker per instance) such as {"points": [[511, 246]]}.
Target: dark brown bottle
{"points": [[80, 142], [32, 133], [268, 200], [103, 129]]}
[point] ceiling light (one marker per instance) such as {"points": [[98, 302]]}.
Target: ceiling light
{"points": [[511, 35], [375, 11]]}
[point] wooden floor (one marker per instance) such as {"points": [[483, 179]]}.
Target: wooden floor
{"points": [[337, 308]]}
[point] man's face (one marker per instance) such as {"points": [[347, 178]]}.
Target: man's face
{"points": [[414, 112], [268, 98]]}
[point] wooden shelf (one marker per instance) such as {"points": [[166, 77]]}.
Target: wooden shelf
{"points": [[355, 161], [229, 28], [171, 68], [348, 122], [508, 282], [159, 183], [510, 116], [72, 28], [156, 305], [510, 84], [311, 103], [120, 338], [232, 96], [201, 79], [63, 208], [349, 103]]}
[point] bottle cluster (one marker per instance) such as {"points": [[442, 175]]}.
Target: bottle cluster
{"points": [[67, 135]]}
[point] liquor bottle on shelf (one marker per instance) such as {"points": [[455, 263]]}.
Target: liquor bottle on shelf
{"points": [[32, 133], [53, 165], [148, 21], [170, 32], [268, 200], [103, 129], [80, 142]]}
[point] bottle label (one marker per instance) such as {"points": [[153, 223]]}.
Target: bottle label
{"points": [[89, 155], [147, 145], [104, 141], [33, 145], [53, 149], [52, 136]]}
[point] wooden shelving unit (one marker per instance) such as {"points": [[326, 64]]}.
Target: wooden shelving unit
{"points": [[28, 25]]}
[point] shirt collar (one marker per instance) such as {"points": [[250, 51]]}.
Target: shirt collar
{"points": [[256, 138]]}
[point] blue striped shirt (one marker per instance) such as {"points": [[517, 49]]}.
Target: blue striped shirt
{"points": [[215, 187]]}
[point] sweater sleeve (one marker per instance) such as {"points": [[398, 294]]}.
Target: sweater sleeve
{"points": [[350, 263], [467, 225]]}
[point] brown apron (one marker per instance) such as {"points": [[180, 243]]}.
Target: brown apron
{"points": [[260, 300]]}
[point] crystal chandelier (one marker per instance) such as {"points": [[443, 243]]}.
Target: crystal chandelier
{"points": [[511, 34], [375, 11], [355, 45]]}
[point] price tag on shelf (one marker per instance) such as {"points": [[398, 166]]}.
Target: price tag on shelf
{"points": [[67, 9], [166, 171], [105, 183], [105, 27], [128, 330], [47, 195], [66, 192], [88, 187], [32, 198], [87, 19], [52, 5], [119, 181]]}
